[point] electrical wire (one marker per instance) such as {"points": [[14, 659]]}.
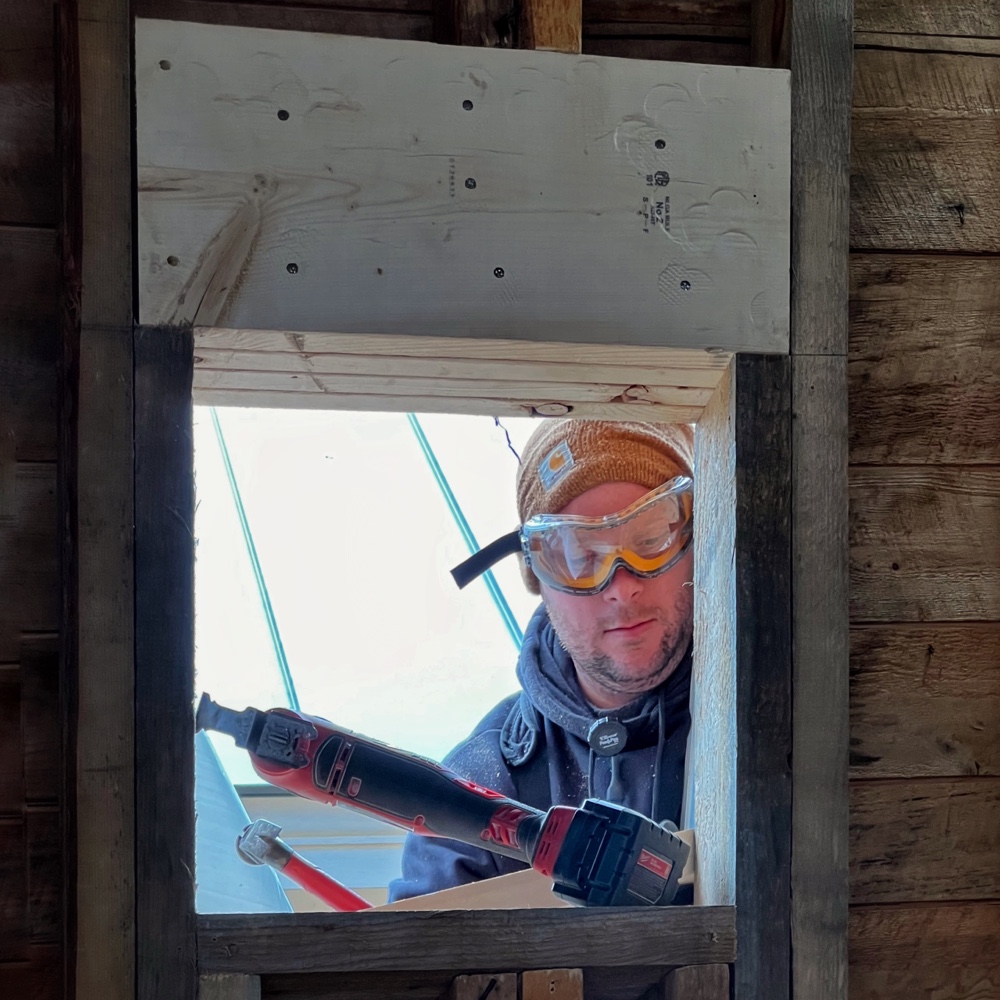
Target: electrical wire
{"points": [[510, 622], [258, 573]]}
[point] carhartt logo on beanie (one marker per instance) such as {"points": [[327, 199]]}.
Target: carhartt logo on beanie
{"points": [[565, 458]]}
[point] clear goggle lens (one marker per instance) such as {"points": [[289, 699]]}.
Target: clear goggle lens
{"points": [[580, 555]]}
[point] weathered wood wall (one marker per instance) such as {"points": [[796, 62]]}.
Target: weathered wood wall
{"points": [[925, 476], [924, 399], [31, 799]]}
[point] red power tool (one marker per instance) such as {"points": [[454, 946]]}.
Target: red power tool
{"points": [[597, 854]]}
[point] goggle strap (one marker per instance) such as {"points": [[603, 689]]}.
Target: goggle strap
{"points": [[479, 562]]}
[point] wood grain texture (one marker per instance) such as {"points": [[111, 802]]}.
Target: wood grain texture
{"points": [[691, 15], [29, 563], [929, 839], [925, 700], [820, 674], [38, 975], [973, 18], [711, 766], [464, 940], [697, 982], [770, 27], [214, 236], [763, 675], [821, 61], [100, 511], [28, 182], [552, 984], [927, 43], [725, 52], [229, 987], [925, 544], [551, 25], [946, 951], [923, 135], [498, 986], [44, 851], [409, 19], [479, 23], [164, 651], [924, 365]]}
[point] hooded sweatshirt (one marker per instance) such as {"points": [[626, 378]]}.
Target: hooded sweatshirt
{"points": [[533, 748]]}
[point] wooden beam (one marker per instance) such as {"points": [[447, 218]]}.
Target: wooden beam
{"points": [[464, 940], [552, 25], [821, 59], [214, 232], [763, 566], [697, 982], [712, 755], [552, 984], [97, 469], [164, 658], [230, 986]]}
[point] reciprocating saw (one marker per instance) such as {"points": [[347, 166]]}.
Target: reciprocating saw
{"points": [[597, 854]]}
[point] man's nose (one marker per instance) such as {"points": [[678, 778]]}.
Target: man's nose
{"points": [[624, 586]]}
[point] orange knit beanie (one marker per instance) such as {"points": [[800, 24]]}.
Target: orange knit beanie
{"points": [[565, 458]]}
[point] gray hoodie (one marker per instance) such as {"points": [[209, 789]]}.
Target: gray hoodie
{"points": [[533, 748]]}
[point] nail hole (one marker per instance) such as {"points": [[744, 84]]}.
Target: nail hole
{"points": [[660, 144], [470, 182], [164, 64], [686, 286], [172, 261], [498, 272], [283, 115], [292, 268], [467, 105]]}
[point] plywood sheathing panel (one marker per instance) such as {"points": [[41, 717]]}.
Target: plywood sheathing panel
{"points": [[294, 192]]}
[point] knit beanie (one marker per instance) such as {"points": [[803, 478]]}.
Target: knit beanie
{"points": [[565, 458]]}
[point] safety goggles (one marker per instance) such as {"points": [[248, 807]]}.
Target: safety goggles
{"points": [[580, 555]]}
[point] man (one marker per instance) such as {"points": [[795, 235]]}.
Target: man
{"points": [[605, 667]]}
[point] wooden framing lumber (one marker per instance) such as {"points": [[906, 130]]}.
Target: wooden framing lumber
{"points": [[164, 658], [97, 466], [575, 245], [552, 25], [453, 374], [697, 982], [497, 940], [762, 420], [822, 70]]}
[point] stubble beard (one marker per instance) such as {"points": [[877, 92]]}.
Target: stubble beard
{"points": [[614, 676]]}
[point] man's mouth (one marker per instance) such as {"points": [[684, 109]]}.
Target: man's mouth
{"points": [[629, 628]]}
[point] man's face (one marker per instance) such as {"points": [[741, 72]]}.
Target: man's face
{"points": [[630, 637]]}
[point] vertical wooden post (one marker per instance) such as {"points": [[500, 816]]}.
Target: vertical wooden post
{"points": [[164, 665], [555, 25], [96, 443], [552, 984], [229, 986], [822, 76], [763, 675], [495, 986], [697, 982]]}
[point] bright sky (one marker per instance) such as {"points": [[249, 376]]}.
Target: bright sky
{"points": [[355, 541]]}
